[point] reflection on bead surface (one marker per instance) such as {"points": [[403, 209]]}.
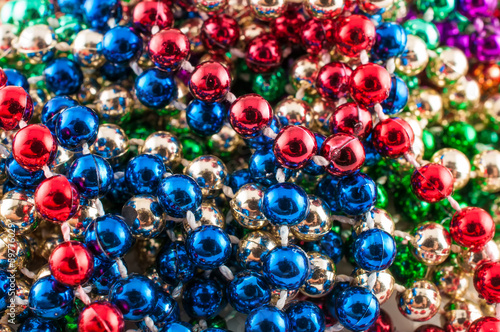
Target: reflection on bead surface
{"points": [[487, 167], [144, 216], [353, 34], [344, 152], [269, 316], [357, 308], [108, 236], [285, 204], [306, 317], [472, 227], [179, 193], [209, 172], [248, 291], [135, 296], [381, 219], [245, 206], [432, 182], [414, 58], [17, 212], [420, 302], [357, 193], [286, 267], [458, 164], [316, 224], [208, 247], [101, 315], [203, 298], [111, 143], [71, 263], [459, 314], [253, 247], [50, 299], [321, 279], [384, 284], [165, 145], [432, 243], [485, 283], [294, 146], [374, 250]]}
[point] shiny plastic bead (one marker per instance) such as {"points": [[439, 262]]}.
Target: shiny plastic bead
{"points": [[37, 324], [203, 298], [204, 118], [484, 281], [268, 316], [144, 216], [53, 108], [432, 243], [398, 96], [63, 76], [208, 247], [286, 267], [15, 106], [50, 299], [92, 175], [71, 263], [21, 177], [210, 82], [263, 54], [34, 147], [250, 114], [144, 174], [357, 308], [121, 45], [345, 154], [155, 88], [370, 84], [485, 324], [432, 183], [248, 291], [420, 301], [168, 48], [306, 317], [354, 34], [76, 126], [99, 316], [108, 237], [173, 264], [294, 146], [179, 193], [472, 227], [393, 137], [150, 14], [390, 41], [357, 194], [351, 119], [285, 204], [333, 80], [98, 13], [219, 33], [374, 250], [135, 296], [57, 199], [321, 279]]}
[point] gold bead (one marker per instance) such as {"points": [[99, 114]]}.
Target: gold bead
{"points": [[447, 66], [14, 251], [382, 220], [426, 103], [114, 103], [267, 10], [317, 222], [414, 58], [384, 284], [164, 144], [304, 72], [18, 212], [420, 302], [457, 163], [209, 215], [487, 168], [85, 48], [192, 29], [459, 315], [451, 281], [321, 279], [245, 206], [253, 247], [209, 172], [464, 96], [293, 111], [491, 108], [432, 243], [325, 9]]}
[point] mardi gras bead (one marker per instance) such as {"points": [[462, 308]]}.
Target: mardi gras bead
{"points": [[447, 67], [17, 212], [151, 14], [370, 84], [16, 105], [203, 298], [37, 324], [87, 211], [287, 27], [269, 316], [390, 41], [313, 36], [266, 11], [286, 267], [484, 324], [305, 317], [53, 108], [354, 34], [351, 119], [209, 172], [457, 163], [179, 193], [384, 283], [7, 36], [321, 279], [86, 49], [5, 283], [304, 73], [144, 174], [459, 314], [14, 252], [293, 111], [486, 165], [63, 76], [166, 310], [112, 143], [294, 146], [414, 58], [469, 260], [15, 78], [420, 302], [219, 33], [484, 277], [34, 147], [432, 182], [460, 135], [121, 45], [245, 206], [155, 88], [432, 243], [285, 204], [165, 145], [20, 177], [357, 194], [98, 14], [253, 247], [50, 299], [451, 281], [108, 236], [348, 306], [427, 31], [393, 137], [263, 53], [263, 166], [333, 80], [144, 216], [173, 264], [71, 263], [208, 247], [76, 126], [248, 291], [114, 103], [210, 82], [344, 152], [472, 227], [398, 97], [368, 258], [37, 43], [57, 199], [381, 220], [317, 222], [250, 114], [205, 118], [168, 49], [92, 175], [135, 296], [101, 315]]}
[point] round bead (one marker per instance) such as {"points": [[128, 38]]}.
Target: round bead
{"points": [[135, 296], [36, 43], [220, 32], [17, 212], [316, 224], [432, 182], [144, 174], [15, 106], [248, 291], [381, 220], [76, 126], [71, 263], [313, 36], [393, 137], [63, 76], [382, 324], [459, 314], [374, 250], [15, 78], [263, 53], [210, 82], [357, 308], [293, 111], [344, 152], [92, 175], [209, 172], [432, 243], [121, 45], [249, 114], [86, 49], [203, 298], [267, 10], [20, 177], [294, 146], [390, 41], [144, 216], [173, 264], [108, 237], [99, 316], [53, 108], [168, 48], [357, 194], [253, 247], [398, 96], [324, 9], [485, 324], [472, 227], [177, 327], [354, 34], [351, 119], [50, 299], [204, 118], [457, 163], [333, 80], [112, 143], [208, 247], [447, 67], [166, 310], [98, 13], [150, 14], [155, 88], [420, 302], [37, 324], [57, 199], [245, 206], [414, 58], [165, 145], [370, 84], [285, 204], [34, 147], [306, 317], [179, 193], [384, 283], [487, 166], [321, 279], [114, 103], [267, 318], [451, 281], [485, 278], [286, 267]]}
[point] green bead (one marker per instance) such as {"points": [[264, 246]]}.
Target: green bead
{"points": [[462, 22], [382, 198], [69, 26], [270, 86], [441, 8], [425, 30], [412, 82], [192, 147], [429, 144], [215, 322], [488, 137], [461, 136], [406, 268], [24, 12]]}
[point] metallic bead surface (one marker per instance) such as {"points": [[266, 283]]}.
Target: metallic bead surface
{"points": [[253, 247], [144, 216], [111, 144], [384, 284], [209, 172], [381, 219], [321, 279], [18, 213], [114, 103], [432, 243], [245, 206], [317, 223], [487, 168], [37, 42], [86, 48], [207, 214], [164, 144], [420, 302], [414, 58]]}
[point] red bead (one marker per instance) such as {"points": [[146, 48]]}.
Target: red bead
{"points": [[485, 324], [34, 146], [249, 114], [370, 84], [354, 34], [3, 78], [429, 328], [15, 105], [210, 82], [333, 80], [486, 279], [295, 146], [57, 199], [101, 316], [168, 48], [351, 119], [287, 28], [345, 154], [148, 14], [263, 54], [71, 263], [219, 33], [432, 183], [313, 36], [382, 324], [472, 227], [393, 137]]}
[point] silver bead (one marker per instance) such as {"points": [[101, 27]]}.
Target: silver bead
{"points": [[420, 302], [79, 222], [62, 161], [267, 10], [253, 247], [37, 43], [18, 212], [13, 251], [469, 260], [293, 111], [459, 315], [317, 223], [7, 35], [245, 206], [208, 214], [432, 243], [86, 48], [451, 281], [114, 102], [144, 216], [165, 145], [322, 9], [384, 284], [43, 272], [381, 218], [111, 144], [321, 279], [209, 172]]}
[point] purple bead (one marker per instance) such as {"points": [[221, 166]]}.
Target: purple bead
{"points": [[461, 42], [487, 46], [476, 8], [447, 29]]}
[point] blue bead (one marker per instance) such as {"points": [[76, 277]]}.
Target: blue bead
{"points": [[92, 175], [372, 157], [50, 299], [135, 296], [213, 329], [166, 309], [21, 177], [178, 194], [389, 42], [119, 189], [121, 45], [327, 191], [357, 193], [374, 250], [205, 119], [203, 298], [332, 297], [173, 264], [177, 327], [108, 237], [53, 108], [208, 247], [97, 13], [312, 168], [5, 287], [15, 78], [75, 126], [266, 319], [285, 204], [72, 7], [248, 291], [106, 273], [36, 324], [63, 76], [144, 174], [398, 97], [330, 244], [114, 72], [357, 308], [305, 317], [263, 167], [286, 267], [155, 88], [238, 179], [263, 141]]}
